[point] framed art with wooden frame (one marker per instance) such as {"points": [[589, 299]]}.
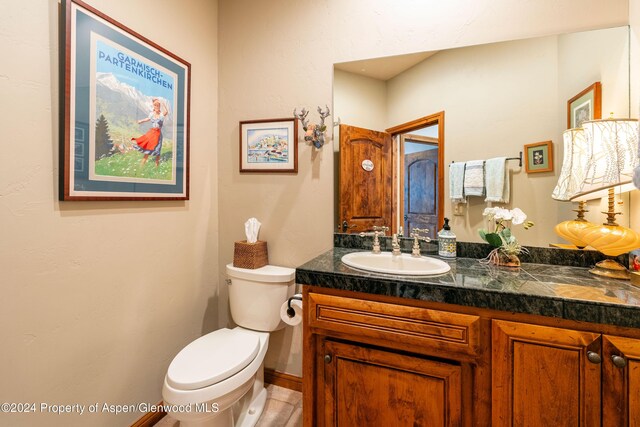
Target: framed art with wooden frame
{"points": [[124, 134], [587, 105], [269, 145], [539, 157]]}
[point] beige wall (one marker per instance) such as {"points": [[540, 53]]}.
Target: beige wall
{"points": [[98, 297], [481, 122], [359, 101], [278, 55], [475, 86], [634, 22]]}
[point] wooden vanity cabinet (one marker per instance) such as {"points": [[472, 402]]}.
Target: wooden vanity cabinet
{"points": [[620, 381], [380, 364], [370, 387], [547, 376], [543, 376]]}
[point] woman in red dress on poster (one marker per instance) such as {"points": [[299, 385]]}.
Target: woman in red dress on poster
{"points": [[150, 144]]}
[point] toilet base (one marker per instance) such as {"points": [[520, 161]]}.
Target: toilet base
{"points": [[248, 417], [244, 413]]}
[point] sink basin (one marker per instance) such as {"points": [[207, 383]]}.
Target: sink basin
{"points": [[404, 264]]}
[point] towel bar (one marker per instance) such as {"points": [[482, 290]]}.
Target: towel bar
{"points": [[519, 158]]}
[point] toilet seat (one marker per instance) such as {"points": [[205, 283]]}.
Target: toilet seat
{"points": [[212, 358]]}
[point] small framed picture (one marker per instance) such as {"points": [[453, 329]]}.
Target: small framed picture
{"points": [[634, 260], [539, 157], [269, 145], [587, 105]]}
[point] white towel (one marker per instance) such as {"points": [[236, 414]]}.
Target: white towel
{"points": [[456, 182], [474, 178], [497, 180]]}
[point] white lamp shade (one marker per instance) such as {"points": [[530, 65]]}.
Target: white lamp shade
{"points": [[613, 154], [574, 164]]}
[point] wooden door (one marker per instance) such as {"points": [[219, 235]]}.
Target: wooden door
{"points": [[365, 179], [367, 387], [421, 191], [620, 382], [542, 376]]}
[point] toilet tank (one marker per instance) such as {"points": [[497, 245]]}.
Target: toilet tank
{"points": [[255, 296]]}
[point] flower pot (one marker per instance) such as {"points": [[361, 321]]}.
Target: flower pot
{"points": [[497, 257], [507, 260]]}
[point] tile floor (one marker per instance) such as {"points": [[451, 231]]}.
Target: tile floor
{"points": [[283, 409]]}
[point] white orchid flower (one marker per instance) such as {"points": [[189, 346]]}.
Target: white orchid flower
{"points": [[504, 214], [489, 211], [518, 216]]}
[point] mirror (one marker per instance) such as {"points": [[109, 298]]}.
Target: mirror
{"points": [[496, 98]]}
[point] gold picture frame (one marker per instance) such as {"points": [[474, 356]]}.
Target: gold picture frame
{"points": [[539, 157], [587, 105]]}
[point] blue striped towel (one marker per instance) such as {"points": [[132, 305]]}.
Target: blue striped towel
{"points": [[474, 178]]}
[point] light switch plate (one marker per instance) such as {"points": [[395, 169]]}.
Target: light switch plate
{"points": [[458, 209]]}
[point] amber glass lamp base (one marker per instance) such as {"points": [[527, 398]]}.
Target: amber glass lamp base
{"points": [[571, 230]]}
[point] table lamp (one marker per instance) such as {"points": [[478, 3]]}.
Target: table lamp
{"points": [[613, 154], [572, 174]]}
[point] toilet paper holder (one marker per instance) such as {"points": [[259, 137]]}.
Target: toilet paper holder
{"points": [[290, 311]]}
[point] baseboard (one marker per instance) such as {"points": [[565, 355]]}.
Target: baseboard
{"points": [[281, 379], [150, 418]]}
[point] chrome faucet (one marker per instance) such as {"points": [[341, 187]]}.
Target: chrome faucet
{"points": [[377, 232], [417, 236]]}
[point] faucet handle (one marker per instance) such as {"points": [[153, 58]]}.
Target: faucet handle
{"points": [[418, 231], [381, 228]]}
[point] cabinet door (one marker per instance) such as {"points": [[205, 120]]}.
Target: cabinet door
{"points": [[368, 387], [544, 376], [620, 382]]}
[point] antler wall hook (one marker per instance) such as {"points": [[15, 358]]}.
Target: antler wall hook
{"points": [[313, 133]]}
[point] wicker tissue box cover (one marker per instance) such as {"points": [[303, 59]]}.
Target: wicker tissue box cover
{"points": [[250, 255]]}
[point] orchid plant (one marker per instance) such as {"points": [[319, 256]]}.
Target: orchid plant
{"points": [[500, 237]]}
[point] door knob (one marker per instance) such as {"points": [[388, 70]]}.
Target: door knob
{"points": [[594, 357], [346, 226], [619, 361], [327, 358]]}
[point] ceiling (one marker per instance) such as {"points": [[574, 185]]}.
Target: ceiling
{"points": [[384, 68]]}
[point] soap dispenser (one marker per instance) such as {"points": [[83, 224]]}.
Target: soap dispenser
{"points": [[446, 241]]}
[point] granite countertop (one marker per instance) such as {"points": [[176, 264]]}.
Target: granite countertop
{"points": [[549, 290]]}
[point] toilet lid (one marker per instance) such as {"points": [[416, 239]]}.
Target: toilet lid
{"points": [[212, 358]]}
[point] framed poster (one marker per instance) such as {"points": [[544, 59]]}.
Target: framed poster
{"points": [[269, 145], [587, 105], [125, 126], [539, 157]]}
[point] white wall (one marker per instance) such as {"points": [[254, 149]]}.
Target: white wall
{"points": [[97, 297], [265, 73]]}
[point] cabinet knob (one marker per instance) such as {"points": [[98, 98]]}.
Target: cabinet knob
{"points": [[327, 358], [594, 357], [619, 361]]}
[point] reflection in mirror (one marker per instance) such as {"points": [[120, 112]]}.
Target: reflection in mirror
{"points": [[418, 157], [496, 98]]}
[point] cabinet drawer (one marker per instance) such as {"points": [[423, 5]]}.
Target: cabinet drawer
{"points": [[413, 327]]}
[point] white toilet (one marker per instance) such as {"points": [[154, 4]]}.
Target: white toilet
{"points": [[218, 379]]}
